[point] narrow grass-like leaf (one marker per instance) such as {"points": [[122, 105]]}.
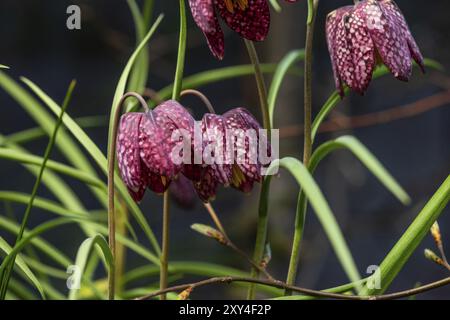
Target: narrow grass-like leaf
{"points": [[64, 143], [57, 186], [21, 264], [139, 72], [20, 291], [282, 70], [275, 5], [5, 275], [49, 250], [411, 238], [334, 99], [45, 268], [44, 227], [323, 212], [15, 155], [367, 158], [83, 255], [32, 134], [211, 76], [43, 204]]}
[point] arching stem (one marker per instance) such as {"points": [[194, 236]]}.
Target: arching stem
{"points": [[111, 172]]}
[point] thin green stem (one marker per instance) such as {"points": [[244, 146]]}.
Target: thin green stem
{"points": [[165, 245], [176, 93], [312, 12], [111, 198], [261, 235], [5, 276], [261, 232], [177, 85], [262, 91], [307, 146]]}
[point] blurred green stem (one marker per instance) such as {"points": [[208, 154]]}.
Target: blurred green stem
{"points": [[307, 147]]}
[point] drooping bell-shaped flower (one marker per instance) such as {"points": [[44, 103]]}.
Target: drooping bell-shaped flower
{"points": [[364, 34], [230, 153], [249, 18], [145, 145]]}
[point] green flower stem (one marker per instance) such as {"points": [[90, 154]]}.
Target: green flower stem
{"points": [[263, 217], [165, 246], [111, 202], [261, 232], [262, 91], [177, 87], [307, 147], [5, 276]]}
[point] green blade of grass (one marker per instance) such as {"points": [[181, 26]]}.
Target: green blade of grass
{"points": [[21, 157], [139, 72], [83, 254], [49, 250], [64, 143], [282, 70], [211, 76], [411, 238], [323, 213], [21, 264], [43, 204], [367, 158], [275, 5], [20, 291], [5, 275], [32, 134], [334, 99], [60, 189]]}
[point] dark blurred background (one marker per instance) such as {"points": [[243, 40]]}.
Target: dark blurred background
{"points": [[36, 43]]}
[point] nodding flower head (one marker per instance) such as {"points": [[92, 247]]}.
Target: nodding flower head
{"points": [[230, 153], [144, 146], [364, 34], [149, 153], [249, 18]]}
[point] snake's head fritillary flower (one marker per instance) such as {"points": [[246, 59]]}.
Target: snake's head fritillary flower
{"points": [[145, 144], [232, 142], [249, 18], [362, 35], [133, 171]]}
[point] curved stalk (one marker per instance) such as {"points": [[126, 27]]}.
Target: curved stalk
{"points": [[111, 170], [262, 91]]}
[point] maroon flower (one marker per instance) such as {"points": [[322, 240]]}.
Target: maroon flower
{"points": [[144, 146], [230, 153], [371, 31], [249, 18]]}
